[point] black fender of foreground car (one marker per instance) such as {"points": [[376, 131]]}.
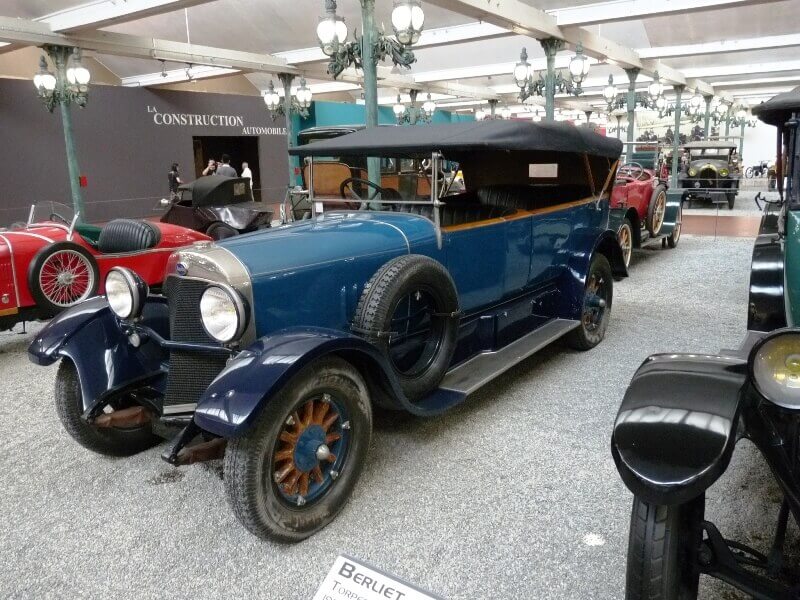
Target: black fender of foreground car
{"points": [[766, 308], [233, 401], [76, 333], [677, 426]]}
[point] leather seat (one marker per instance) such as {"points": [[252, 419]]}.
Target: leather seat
{"points": [[127, 235], [458, 214], [507, 196]]}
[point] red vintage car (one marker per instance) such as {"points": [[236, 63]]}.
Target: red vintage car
{"points": [[640, 196], [51, 262]]}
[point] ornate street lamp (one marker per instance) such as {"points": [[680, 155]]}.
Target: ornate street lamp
{"points": [[578, 69], [413, 114], [655, 90], [613, 102], [367, 51], [69, 84], [429, 107], [551, 82], [272, 99], [299, 102]]}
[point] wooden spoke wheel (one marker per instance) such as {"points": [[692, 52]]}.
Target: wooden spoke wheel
{"points": [[311, 449], [625, 238]]}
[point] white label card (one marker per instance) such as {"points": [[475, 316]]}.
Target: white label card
{"points": [[351, 579], [549, 171]]}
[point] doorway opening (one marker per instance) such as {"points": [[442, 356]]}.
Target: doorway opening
{"points": [[240, 148]]}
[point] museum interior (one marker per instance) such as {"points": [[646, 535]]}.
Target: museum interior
{"points": [[400, 299]]}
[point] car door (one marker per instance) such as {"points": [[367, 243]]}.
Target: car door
{"points": [[550, 232], [476, 259]]}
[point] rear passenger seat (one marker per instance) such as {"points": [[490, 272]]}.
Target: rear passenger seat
{"points": [[458, 214]]}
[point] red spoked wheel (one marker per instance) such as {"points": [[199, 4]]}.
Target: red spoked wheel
{"points": [[62, 275]]}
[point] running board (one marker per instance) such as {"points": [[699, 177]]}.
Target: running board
{"points": [[482, 368]]}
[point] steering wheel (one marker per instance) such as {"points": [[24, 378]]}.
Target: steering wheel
{"points": [[633, 170], [54, 216], [347, 184]]}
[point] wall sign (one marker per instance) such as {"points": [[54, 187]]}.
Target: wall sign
{"points": [[180, 119], [352, 579]]}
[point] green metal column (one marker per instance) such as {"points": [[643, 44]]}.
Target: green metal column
{"points": [[492, 107], [728, 121], [707, 125], [368, 33], [286, 80], [631, 104], [588, 114], [551, 47], [741, 143], [676, 142], [619, 132], [59, 56]]}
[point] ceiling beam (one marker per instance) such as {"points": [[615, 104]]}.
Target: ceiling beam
{"points": [[513, 15], [33, 33], [739, 69], [722, 47], [627, 10], [105, 13]]}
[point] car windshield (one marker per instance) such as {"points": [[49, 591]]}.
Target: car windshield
{"points": [[711, 153], [51, 211]]}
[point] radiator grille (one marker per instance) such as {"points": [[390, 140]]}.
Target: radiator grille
{"points": [[190, 373]]}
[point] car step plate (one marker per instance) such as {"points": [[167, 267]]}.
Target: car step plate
{"points": [[482, 368]]}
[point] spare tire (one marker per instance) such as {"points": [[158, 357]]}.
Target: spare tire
{"points": [[409, 310]]}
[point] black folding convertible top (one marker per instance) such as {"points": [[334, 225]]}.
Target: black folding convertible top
{"points": [[777, 110], [453, 139]]}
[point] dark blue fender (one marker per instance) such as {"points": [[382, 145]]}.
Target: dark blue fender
{"points": [[573, 280], [245, 386], [88, 334], [766, 310], [677, 426]]}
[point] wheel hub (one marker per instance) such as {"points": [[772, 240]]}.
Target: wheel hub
{"points": [[65, 278]]}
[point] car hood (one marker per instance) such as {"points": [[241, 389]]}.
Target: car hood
{"points": [[329, 238], [704, 163]]}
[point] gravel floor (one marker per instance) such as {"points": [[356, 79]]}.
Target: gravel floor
{"points": [[513, 495]]}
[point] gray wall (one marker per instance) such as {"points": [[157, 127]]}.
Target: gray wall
{"points": [[122, 149]]}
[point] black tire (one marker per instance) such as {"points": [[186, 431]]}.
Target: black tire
{"points": [[625, 239], [48, 258], [674, 237], [748, 173], [250, 485], [107, 441], [731, 200], [594, 319], [662, 551], [428, 281], [656, 210], [221, 231]]}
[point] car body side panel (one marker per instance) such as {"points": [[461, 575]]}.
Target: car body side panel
{"points": [[477, 262], [677, 425], [792, 271]]}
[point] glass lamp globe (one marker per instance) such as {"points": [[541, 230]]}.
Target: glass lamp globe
{"points": [[722, 109], [429, 106], [610, 92], [408, 19], [741, 113], [655, 89], [331, 31], [303, 94], [44, 79], [480, 114], [399, 108], [271, 98], [696, 101], [579, 65], [505, 113], [522, 70], [661, 103]]}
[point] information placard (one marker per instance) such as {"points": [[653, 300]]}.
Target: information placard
{"points": [[352, 579]]}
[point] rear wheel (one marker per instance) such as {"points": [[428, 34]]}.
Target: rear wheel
{"points": [[597, 297], [748, 172], [662, 551], [221, 231], [625, 237], [111, 441], [409, 310], [672, 238], [61, 275], [292, 472], [656, 210], [731, 199]]}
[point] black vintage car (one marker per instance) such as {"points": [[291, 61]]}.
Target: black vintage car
{"points": [[683, 415], [218, 206], [711, 172]]}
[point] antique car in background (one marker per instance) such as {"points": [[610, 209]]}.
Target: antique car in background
{"points": [[641, 210], [273, 347], [683, 415], [218, 206], [52, 261], [711, 172]]}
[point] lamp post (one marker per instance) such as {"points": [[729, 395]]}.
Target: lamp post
{"points": [[69, 84], [292, 104], [653, 98], [414, 114], [741, 120], [547, 85], [676, 141], [372, 47], [707, 117]]}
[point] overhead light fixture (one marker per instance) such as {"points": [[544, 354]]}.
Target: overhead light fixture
{"points": [[429, 107], [303, 94], [656, 89], [480, 114], [44, 80], [505, 113], [331, 29], [271, 98], [408, 19], [579, 68]]}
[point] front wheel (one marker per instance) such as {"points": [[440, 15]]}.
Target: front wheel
{"points": [[662, 551], [111, 441], [625, 238], [748, 172], [61, 275], [672, 238], [597, 297], [292, 472], [731, 197], [656, 210]]}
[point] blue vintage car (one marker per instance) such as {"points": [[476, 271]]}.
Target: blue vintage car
{"points": [[274, 347]]}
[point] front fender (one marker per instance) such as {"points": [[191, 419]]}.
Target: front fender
{"points": [[89, 335], [236, 397], [672, 211], [677, 426]]}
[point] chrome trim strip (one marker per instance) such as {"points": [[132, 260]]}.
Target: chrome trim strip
{"points": [[400, 231], [28, 233], [173, 409], [13, 268]]}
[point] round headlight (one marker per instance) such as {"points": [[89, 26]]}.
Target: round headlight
{"points": [[222, 313], [124, 292], [776, 369], [692, 172], [723, 173]]}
